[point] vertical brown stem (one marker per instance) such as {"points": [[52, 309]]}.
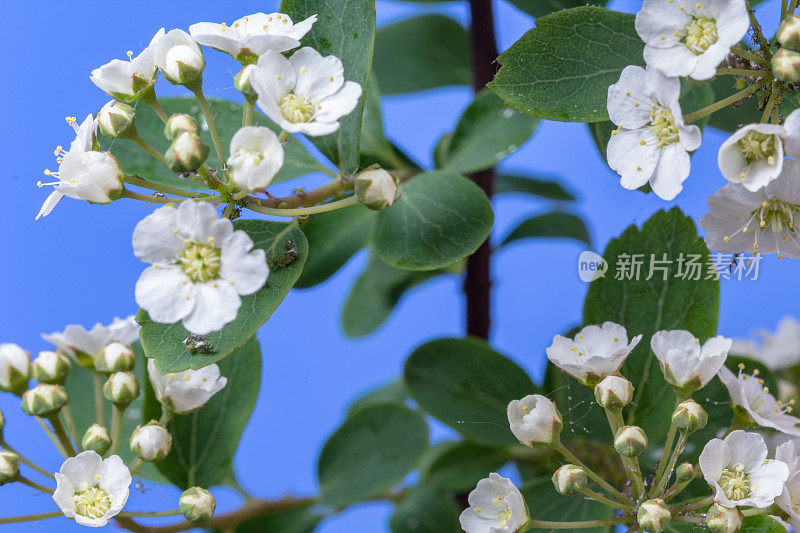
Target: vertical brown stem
{"points": [[478, 282]]}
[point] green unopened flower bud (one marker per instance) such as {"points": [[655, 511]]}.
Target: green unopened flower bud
{"points": [[2, 424], [9, 467], [44, 400], [684, 473], [630, 441], [242, 81], [613, 392], [151, 442], [786, 65], [689, 416], [96, 439], [720, 519], [115, 119], [51, 367], [115, 357], [570, 480], [121, 388], [653, 515], [186, 153], [179, 58], [15, 368], [197, 504], [789, 32], [376, 188], [177, 124]]}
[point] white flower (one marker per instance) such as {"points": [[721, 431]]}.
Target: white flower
{"points": [[753, 155], [687, 38], [305, 93], [789, 500], [749, 395], [375, 188], [495, 506], [738, 470], [201, 267], [179, 57], [651, 142], [187, 391], [151, 442], [686, 364], [256, 157], [91, 489], [128, 80], [15, 368], [534, 420], [760, 222], [124, 330], [250, 36], [596, 352], [85, 346], [777, 351], [92, 176]]}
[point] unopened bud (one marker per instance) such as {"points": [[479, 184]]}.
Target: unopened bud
{"points": [[689, 416], [51, 367], [653, 515], [179, 58], [2, 424], [789, 32], [535, 421], [721, 519], [121, 388], [96, 439], [376, 188], [177, 124], [197, 504], [570, 480], [44, 400], [115, 357], [684, 473], [242, 81], [786, 65], [613, 392], [630, 441], [9, 467], [186, 153], [115, 119], [15, 368], [151, 442]]}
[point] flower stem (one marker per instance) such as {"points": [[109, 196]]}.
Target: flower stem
{"points": [[544, 524], [605, 501], [53, 438], [747, 54], [716, 106], [303, 211], [247, 111], [691, 519], [116, 428], [569, 456], [149, 198], [757, 73], [99, 399], [784, 8], [756, 511], [228, 210], [631, 464], [30, 517], [33, 484], [146, 184], [58, 429], [792, 7], [661, 483], [662, 464], [71, 429], [685, 508], [135, 137], [762, 42], [26, 461], [150, 99], [212, 129], [151, 514], [773, 97]]}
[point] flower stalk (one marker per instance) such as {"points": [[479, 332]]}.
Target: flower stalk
{"points": [[721, 104]]}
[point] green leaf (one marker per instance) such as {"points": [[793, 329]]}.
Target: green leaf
{"points": [[487, 132], [646, 306], [440, 218], [204, 442], [371, 452], [555, 224], [539, 8], [467, 385], [761, 524], [583, 418], [552, 190], [345, 29], [394, 392], [453, 466], [550, 505], [164, 342], [299, 520], [562, 68], [422, 53], [333, 238], [424, 510]]}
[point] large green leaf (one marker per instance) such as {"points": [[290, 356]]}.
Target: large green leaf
{"points": [[561, 69], [425, 510], [422, 53], [204, 442], [552, 190], [645, 306], [539, 8], [467, 385], [345, 29], [487, 132], [761, 524], [454, 466], [554, 224], [372, 451], [440, 218], [393, 392], [164, 342], [550, 505], [297, 520]]}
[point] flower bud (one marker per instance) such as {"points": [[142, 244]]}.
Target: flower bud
{"points": [[151, 442], [51, 367], [376, 188], [179, 58], [177, 124], [186, 153], [115, 119], [684, 473], [242, 81], [15, 368], [96, 439], [115, 357], [9, 467], [197, 504], [121, 388], [786, 65], [535, 421], [2, 424], [789, 32], [721, 519], [44, 400], [653, 515], [689, 416], [570, 480], [613, 392], [630, 441]]}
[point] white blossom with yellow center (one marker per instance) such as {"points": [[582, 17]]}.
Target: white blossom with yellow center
{"points": [[90, 489], [789, 500], [495, 505], [651, 142], [200, 267], [534, 420], [80, 343], [687, 364], [755, 401], [128, 80], [187, 391], [690, 38]]}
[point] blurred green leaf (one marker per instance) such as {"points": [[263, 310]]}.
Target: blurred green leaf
{"points": [[554, 224], [393, 392], [761, 524], [300, 520], [424, 510], [551, 505], [454, 466], [539, 8], [552, 190], [375, 147]]}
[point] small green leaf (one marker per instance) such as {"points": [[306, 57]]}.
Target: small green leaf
{"points": [[422, 53], [550, 189], [453, 466], [555, 224], [394, 392], [562, 68], [425, 510], [298, 520], [164, 342], [371, 452], [539, 8], [551, 505], [467, 385], [440, 218]]}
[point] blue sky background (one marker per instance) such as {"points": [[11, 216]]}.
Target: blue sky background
{"points": [[77, 266]]}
